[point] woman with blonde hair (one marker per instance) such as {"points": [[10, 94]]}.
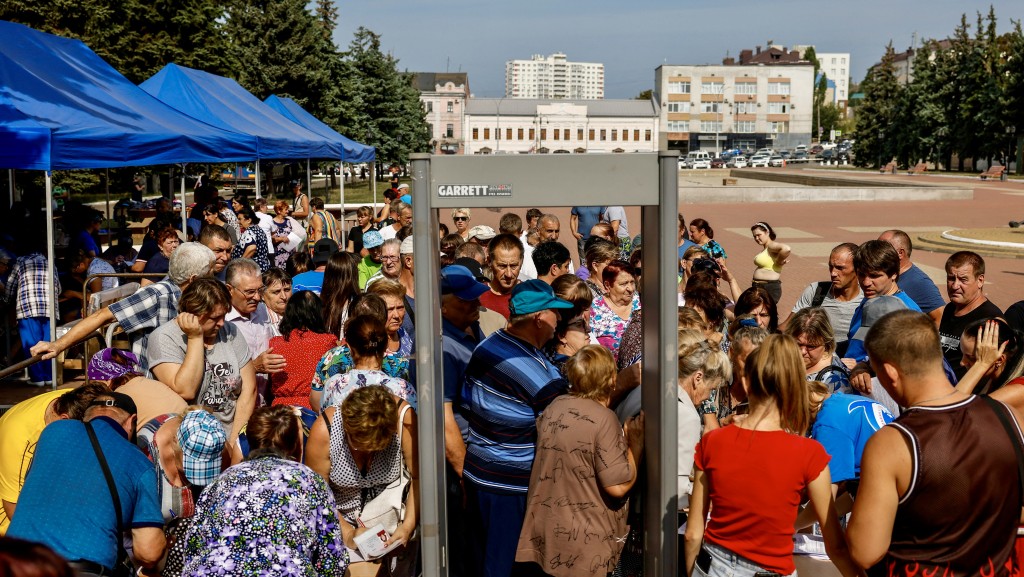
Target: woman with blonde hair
{"points": [[812, 330], [769, 445], [578, 432], [362, 447], [596, 256]]}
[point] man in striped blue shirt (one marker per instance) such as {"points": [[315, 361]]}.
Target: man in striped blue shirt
{"points": [[508, 382]]}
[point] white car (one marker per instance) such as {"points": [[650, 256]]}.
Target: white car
{"points": [[737, 162], [759, 161], [701, 163], [776, 160]]}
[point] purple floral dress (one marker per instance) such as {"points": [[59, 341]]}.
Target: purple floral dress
{"points": [[281, 254], [606, 326], [266, 516]]}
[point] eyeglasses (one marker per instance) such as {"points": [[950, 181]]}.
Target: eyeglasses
{"points": [[249, 294], [460, 218], [580, 324], [388, 258]]}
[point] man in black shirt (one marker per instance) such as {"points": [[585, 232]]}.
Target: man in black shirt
{"points": [[965, 281]]}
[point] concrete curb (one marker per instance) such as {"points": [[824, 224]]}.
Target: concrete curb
{"points": [[981, 242]]}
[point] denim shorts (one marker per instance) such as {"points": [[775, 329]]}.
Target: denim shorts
{"points": [[725, 563]]}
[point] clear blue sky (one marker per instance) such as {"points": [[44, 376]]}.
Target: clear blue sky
{"points": [[633, 37]]}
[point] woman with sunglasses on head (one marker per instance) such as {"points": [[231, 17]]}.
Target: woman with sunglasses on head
{"points": [[769, 262], [769, 445]]}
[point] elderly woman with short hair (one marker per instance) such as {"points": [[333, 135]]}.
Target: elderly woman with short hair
{"points": [[813, 332], [362, 447], [596, 256]]}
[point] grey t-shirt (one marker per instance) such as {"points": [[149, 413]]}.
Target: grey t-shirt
{"points": [[618, 213], [222, 375], [840, 313]]}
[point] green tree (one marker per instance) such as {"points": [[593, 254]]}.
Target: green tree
{"points": [[384, 108], [1013, 94], [644, 95], [877, 114]]}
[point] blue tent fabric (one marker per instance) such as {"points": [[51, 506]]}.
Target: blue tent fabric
{"points": [[352, 150], [63, 107], [224, 103]]}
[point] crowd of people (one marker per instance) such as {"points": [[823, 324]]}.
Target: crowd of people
{"points": [[264, 418]]}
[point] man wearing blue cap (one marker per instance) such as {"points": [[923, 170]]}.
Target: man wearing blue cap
{"points": [[509, 381], [460, 335]]}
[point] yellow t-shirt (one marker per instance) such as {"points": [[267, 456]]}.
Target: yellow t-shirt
{"points": [[20, 428]]}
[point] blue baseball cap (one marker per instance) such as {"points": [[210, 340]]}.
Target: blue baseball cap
{"points": [[533, 296], [459, 281], [202, 438]]}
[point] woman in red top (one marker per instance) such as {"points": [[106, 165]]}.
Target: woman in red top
{"points": [[753, 473], [304, 342]]}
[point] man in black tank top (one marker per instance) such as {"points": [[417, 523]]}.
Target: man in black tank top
{"points": [[940, 492]]}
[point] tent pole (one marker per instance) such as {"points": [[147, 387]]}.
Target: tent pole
{"points": [[184, 211], [373, 183], [51, 301], [341, 187], [257, 180], [10, 185], [309, 181], [106, 186]]}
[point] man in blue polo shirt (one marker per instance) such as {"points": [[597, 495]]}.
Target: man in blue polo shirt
{"points": [[509, 381], [66, 503], [460, 334]]}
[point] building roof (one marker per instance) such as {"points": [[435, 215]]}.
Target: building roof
{"points": [[528, 106], [428, 81]]}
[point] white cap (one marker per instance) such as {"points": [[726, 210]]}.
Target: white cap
{"points": [[406, 247]]}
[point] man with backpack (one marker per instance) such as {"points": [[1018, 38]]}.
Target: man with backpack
{"points": [[839, 296]]}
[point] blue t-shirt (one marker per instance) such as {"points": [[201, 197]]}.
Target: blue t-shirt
{"points": [[843, 427], [86, 242], [855, 350], [66, 503], [308, 281], [588, 217], [920, 287], [458, 348]]}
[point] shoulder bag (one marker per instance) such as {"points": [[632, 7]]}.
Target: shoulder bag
{"points": [[122, 566], [388, 507]]}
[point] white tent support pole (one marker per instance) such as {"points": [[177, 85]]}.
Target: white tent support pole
{"points": [[309, 181], [257, 179], [51, 289], [10, 185], [373, 183], [341, 188], [106, 220], [184, 211]]}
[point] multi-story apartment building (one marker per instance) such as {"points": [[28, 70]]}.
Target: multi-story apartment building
{"points": [[444, 96], [553, 77], [836, 66], [522, 126], [715, 107]]}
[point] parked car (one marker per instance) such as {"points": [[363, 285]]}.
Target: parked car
{"points": [[817, 148], [776, 160], [800, 155], [683, 164], [738, 161], [801, 148], [786, 154], [759, 161], [768, 151], [717, 163], [698, 159]]}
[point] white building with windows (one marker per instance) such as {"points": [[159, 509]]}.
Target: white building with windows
{"points": [[444, 96], [717, 107], [554, 77], [836, 66], [522, 126]]}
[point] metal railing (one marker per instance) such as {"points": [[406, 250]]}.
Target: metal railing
{"points": [[17, 367]]}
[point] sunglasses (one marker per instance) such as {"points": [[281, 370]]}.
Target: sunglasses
{"points": [[460, 218]]}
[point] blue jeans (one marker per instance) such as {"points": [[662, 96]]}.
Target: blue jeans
{"points": [[725, 563], [32, 330]]}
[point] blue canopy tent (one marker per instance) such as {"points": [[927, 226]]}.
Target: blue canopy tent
{"points": [[224, 103], [352, 150], [63, 107]]}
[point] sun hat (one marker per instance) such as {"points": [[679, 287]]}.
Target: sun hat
{"points": [[202, 439], [533, 296], [482, 232], [323, 250], [372, 239], [459, 281]]}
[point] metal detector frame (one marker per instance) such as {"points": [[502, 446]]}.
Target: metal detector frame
{"points": [[525, 181]]}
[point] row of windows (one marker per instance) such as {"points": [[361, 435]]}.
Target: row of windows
{"points": [[737, 107], [683, 87], [451, 106], [742, 126], [563, 134]]}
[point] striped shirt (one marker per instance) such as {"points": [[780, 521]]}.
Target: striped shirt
{"points": [[141, 313], [508, 383], [27, 284]]}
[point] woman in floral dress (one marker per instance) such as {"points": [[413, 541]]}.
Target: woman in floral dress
{"points": [[368, 339]]}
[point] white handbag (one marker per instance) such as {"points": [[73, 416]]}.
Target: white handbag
{"points": [[388, 507]]}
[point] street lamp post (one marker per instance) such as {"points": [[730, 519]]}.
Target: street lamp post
{"points": [[881, 139], [1010, 132]]}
